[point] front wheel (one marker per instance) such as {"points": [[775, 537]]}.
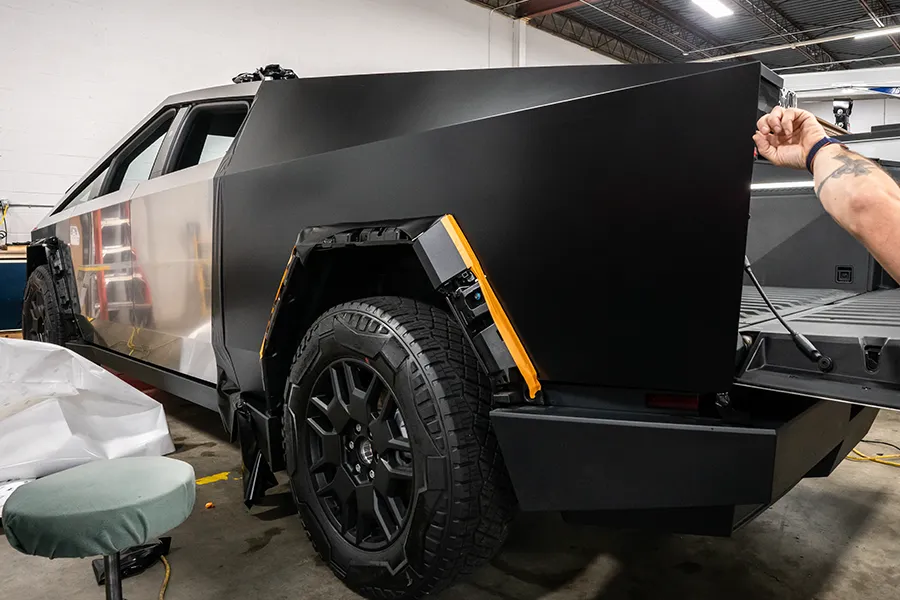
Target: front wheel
{"points": [[392, 459], [41, 316]]}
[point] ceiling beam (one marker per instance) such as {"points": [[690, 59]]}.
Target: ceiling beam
{"points": [[773, 18], [596, 39], [656, 20], [593, 38], [539, 8], [877, 9]]}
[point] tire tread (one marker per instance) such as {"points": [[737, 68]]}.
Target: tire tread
{"points": [[453, 399]]}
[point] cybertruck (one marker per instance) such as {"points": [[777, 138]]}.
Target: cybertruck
{"points": [[434, 298]]}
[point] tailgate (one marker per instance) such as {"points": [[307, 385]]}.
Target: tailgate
{"points": [[861, 333]]}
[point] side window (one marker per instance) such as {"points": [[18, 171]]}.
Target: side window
{"points": [[90, 191], [209, 132], [138, 163]]}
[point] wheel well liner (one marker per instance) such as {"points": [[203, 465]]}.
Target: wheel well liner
{"points": [[331, 264], [426, 259]]}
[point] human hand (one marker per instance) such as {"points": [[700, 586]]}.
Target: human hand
{"points": [[785, 136]]}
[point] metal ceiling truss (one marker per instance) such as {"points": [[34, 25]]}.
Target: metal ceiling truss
{"points": [[593, 38], [539, 8], [772, 17], [655, 18], [877, 10]]}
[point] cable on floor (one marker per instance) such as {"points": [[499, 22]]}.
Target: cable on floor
{"points": [[881, 460], [894, 446], [165, 583]]}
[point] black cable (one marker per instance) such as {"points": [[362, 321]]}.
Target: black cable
{"points": [[809, 350], [895, 446]]}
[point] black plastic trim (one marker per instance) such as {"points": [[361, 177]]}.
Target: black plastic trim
{"points": [[439, 255], [175, 383], [604, 460]]}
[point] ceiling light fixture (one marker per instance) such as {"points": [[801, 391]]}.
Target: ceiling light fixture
{"points": [[714, 7], [782, 185], [877, 33]]}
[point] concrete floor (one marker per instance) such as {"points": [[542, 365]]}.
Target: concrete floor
{"points": [[837, 538]]}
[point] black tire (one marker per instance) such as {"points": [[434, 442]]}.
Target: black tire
{"points": [[461, 500], [41, 318]]}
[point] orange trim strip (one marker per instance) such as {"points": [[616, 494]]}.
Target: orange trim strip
{"points": [[504, 327], [287, 267]]}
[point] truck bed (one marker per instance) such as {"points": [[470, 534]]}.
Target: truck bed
{"points": [[824, 312], [788, 301], [859, 331]]}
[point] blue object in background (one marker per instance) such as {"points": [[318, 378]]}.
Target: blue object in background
{"points": [[12, 290]]}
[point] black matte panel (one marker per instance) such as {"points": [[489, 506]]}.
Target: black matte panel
{"points": [[590, 216], [602, 460], [303, 117]]}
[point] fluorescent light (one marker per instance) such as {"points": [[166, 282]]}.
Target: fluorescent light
{"points": [[875, 32], [782, 185], [714, 7]]}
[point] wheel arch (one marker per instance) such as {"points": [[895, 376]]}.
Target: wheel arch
{"points": [[55, 254], [421, 258], [332, 264], [35, 256], [425, 259]]}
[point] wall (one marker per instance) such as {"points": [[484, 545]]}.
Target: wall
{"points": [[817, 90], [866, 112], [81, 73]]}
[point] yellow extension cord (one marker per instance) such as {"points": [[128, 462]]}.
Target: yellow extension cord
{"points": [[165, 583], [3, 216], [881, 460]]}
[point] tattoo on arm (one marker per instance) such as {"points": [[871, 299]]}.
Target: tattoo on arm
{"points": [[854, 166]]}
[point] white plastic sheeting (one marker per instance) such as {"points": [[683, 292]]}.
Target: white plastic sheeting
{"points": [[59, 410]]}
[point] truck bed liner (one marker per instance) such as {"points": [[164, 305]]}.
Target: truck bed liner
{"points": [[787, 300], [875, 314]]}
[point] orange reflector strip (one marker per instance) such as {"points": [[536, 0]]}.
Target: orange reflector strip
{"points": [[287, 267], [504, 327]]}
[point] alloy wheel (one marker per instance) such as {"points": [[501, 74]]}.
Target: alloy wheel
{"points": [[359, 454], [35, 324]]}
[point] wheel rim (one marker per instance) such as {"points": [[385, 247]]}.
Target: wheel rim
{"points": [[34, 325], [359, 455]]}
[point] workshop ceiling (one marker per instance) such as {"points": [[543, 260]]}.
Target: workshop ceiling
{"points": [[643, 31]]}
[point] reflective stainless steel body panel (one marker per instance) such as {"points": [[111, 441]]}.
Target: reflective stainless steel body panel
{"points": [[142, 258], [98, 234], [172, 240]]}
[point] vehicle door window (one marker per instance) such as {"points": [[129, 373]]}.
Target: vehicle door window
{"points": [[209, 132], [89, 191], [138, 163]]}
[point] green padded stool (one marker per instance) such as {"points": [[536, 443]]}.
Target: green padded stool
{"points": [[100, 509]]}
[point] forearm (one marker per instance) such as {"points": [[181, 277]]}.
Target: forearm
{"points": [[864, 200]]}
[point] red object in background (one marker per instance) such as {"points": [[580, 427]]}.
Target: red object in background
{"points": [[135, 383], [673, 401]]}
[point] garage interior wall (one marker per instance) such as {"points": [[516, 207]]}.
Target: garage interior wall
{"points": [[81, 74], [817, 90], [867, 112]]}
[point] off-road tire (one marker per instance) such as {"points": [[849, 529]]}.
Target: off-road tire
{"points": [[462, 499], [40, 303]]}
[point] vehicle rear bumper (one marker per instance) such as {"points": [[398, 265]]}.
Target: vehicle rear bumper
{"points": [[667, 472]]}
